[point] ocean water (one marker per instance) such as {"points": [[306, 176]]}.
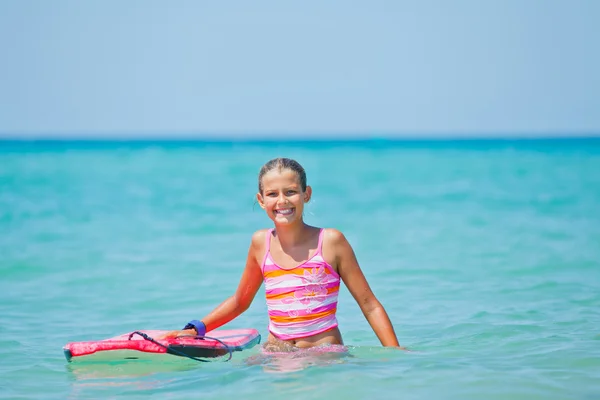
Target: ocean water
{"points": [[485, 254]]}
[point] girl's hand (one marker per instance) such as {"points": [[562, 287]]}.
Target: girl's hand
{"points": [[177, 333]]}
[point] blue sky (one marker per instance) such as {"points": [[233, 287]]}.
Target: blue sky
{"points": [[143, 68]]}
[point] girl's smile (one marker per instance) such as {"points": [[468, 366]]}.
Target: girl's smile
{"points": [[284, 211]]}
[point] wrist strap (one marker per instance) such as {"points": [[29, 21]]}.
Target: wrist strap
{"points": [[198, 326]]}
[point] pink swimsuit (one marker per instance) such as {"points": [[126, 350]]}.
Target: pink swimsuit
{"points": [[301, 301]]}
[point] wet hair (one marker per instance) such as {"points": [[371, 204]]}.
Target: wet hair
{"points": [[281, 164]]}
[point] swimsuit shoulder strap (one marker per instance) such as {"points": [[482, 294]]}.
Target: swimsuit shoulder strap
{"points": [[320, 245], [267, 247]]}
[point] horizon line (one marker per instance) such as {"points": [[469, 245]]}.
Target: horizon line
{"points": [[291, 136]]}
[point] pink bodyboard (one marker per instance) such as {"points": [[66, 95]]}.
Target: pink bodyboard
{"points": [[124, 347]]}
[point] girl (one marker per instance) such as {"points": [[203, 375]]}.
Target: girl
{"points": [[301, 266]]}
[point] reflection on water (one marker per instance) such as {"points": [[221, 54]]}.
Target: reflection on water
{"points": [[126, 368], [278, 360], [143, 376], [129, 374]]}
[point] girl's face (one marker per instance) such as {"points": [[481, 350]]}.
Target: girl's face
{"points": [[282, 197]]}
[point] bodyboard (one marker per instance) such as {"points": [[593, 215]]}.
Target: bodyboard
{"points": [[128, 346]]}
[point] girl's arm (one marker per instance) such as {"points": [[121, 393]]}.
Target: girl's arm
{"points": [[247, 288], [357, 284], [238, 303]]}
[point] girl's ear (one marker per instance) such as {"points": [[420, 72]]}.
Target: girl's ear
{"points": [[307, 194], [259, 198]]}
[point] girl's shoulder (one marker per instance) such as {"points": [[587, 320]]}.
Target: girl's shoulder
{"points": [[258, 245], [334, 244], [333, 236], [259, 238]]}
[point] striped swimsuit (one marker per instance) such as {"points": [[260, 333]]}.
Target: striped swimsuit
{"points": [[301, 301]]}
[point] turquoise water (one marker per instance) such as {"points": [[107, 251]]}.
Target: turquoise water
{"points": [[486, 255]]}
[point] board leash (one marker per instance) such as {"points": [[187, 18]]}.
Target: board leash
{"points": [[170, 349]]}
